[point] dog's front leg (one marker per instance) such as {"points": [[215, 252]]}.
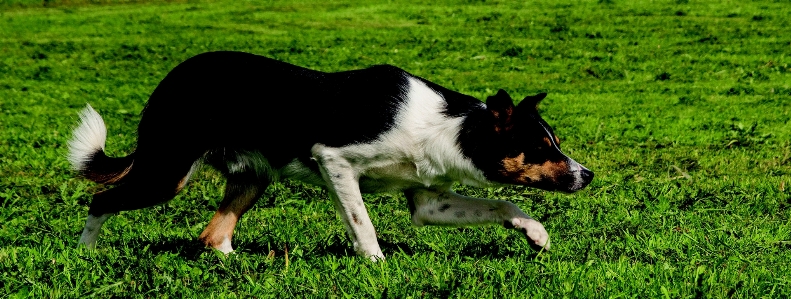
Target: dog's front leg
{"points": [[344, 188], [445, 207]]}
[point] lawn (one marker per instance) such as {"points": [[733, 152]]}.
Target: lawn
{"points": [[680, 107]]}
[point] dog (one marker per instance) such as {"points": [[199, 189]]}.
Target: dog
{"points": [[378, 129]]}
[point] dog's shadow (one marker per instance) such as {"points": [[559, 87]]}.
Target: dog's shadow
{"points": [[192, 249]]}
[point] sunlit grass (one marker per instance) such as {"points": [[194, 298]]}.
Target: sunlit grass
{"points": [[680, 107]]}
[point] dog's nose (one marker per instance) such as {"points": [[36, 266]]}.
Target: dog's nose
{"points": [[582, 177], [586, 175]]}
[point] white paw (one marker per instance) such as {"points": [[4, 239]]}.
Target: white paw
{"points": [[377, 257], [534, 231], [225, 246]]}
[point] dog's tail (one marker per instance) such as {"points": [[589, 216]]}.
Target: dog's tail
{"points": [[86, 151]]}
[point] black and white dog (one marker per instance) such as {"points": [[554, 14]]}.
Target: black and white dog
{"points": [[372, 130]]}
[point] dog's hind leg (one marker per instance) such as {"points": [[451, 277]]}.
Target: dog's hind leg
{"points": [[144, 188], [241, 192], [92, 228], [446, 208]]}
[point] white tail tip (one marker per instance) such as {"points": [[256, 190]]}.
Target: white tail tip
{"points": [[89, 138]]}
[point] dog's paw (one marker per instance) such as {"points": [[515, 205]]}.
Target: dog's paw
{"points": [[536, 235], [377, 258], [223, 246], [87, 245]]}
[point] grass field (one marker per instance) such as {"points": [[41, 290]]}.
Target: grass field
{"points": [[680, 107]]}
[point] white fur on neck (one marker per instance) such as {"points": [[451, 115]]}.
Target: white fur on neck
{"points": [[423, 138]]}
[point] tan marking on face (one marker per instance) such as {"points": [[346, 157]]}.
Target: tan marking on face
{"points": [[514, 168], [557, 140], [548, 141]]}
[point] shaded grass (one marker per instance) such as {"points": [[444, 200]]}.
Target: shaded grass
{"points": [[681, 109]]}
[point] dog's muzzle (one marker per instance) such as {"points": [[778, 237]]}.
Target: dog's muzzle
{"points": [[582, 176]]}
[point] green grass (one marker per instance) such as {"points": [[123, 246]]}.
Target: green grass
{"points": [[680, 107]]}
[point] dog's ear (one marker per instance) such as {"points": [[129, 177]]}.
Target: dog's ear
{"points": [[499, 102], [502, 108], [532, 101]]}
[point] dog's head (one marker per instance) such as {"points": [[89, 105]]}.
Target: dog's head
{"points": [[514, 145]]}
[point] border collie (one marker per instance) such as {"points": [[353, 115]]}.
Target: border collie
{"points": [[379, 129]]}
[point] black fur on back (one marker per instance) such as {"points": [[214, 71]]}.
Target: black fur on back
{"points": [[240, 101]]}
